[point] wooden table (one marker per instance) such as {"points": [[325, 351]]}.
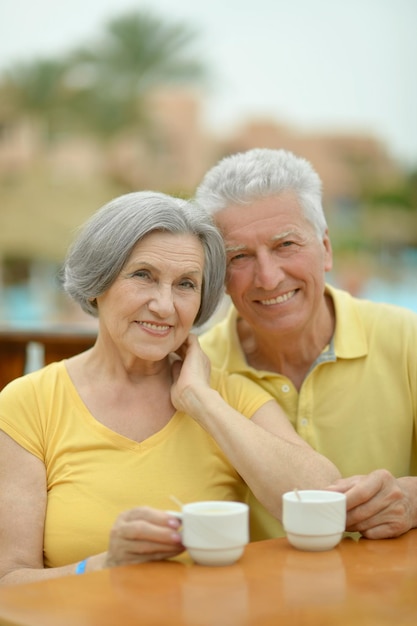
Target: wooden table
{"points": [[359, 583]]}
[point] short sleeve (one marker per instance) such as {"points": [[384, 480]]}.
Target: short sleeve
{"points": [[20, 415], [241, 393]]}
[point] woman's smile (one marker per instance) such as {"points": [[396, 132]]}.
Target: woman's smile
{"points": [[154, 327]]}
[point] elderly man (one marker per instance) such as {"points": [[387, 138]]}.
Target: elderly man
{"points": [[344, 369]]}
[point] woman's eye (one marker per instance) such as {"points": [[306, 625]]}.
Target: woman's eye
{"points": [[188, 284], [141, 274]]}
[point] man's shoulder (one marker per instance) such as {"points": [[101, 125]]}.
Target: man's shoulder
{"points": [[216, 341], [345, 299], [357, 312]]}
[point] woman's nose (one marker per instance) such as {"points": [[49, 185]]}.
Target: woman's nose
{"points": [[162, 301]]}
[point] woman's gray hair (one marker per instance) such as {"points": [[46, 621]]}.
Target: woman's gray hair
{"points": [[259, 173], [105, 242]]}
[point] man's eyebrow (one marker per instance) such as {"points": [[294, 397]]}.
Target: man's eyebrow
{"points": [[236, 248], [286, 233], [277, 237]]}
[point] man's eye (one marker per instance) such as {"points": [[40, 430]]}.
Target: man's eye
{"points": [[286, 244], [237, 257]]}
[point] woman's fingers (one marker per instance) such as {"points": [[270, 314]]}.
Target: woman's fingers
{"points": [[144, 534]]}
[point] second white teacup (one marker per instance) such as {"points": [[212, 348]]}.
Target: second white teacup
{"points": [[215, 532], [314, 519]]}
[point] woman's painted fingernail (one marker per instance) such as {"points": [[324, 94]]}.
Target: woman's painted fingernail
{"points": [[173, 522]]}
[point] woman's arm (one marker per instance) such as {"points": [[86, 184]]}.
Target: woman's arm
{"points": [[139, 535], [266, 451]]}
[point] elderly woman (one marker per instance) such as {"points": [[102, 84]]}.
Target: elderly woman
{"points": [[92, 448]]}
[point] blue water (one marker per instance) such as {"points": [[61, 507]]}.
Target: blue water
{"points": [[394, 280], [402, 294], [396, 283]]}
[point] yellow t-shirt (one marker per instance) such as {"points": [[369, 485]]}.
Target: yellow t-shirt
{"points": [[94, 474], [358, 404]]}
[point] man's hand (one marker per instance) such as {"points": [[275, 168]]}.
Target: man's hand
{"points": [[378, 505]]}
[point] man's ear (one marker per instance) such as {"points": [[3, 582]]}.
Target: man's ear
{"points": [[328, 252]]}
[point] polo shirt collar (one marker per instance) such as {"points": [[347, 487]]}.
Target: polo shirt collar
{"points": [[235, 359], [349, 339], [349, 336]]}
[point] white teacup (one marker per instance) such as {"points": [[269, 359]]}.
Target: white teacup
{"points": [[215, 532], [314, 519]]}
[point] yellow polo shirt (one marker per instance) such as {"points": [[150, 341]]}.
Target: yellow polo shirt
{"points": [[358, 404]]}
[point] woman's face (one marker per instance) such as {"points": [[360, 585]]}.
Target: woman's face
{"points": [[150, 308]]}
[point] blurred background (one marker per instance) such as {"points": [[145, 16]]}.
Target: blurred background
{"points": [[104, 97]]}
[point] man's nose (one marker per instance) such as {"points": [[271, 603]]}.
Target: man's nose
{"points": [[268, 271]]}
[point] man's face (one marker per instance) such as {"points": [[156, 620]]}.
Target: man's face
{"points": [[276, 263]]}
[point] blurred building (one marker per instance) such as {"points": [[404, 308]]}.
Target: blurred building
{"points": [[174, 151], [48, 188], [343, 161]]}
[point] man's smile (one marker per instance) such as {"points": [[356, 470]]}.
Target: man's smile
{"points": [[279, 299]]}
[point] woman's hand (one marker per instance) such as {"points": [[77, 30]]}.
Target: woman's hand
{"points": [[143, 534], [191, 376]]}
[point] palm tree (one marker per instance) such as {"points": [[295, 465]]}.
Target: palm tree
{"points": [[37, 90], [137, 52], [102, 87]]}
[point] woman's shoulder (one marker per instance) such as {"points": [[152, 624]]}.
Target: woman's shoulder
{"points": [[47, 376]]}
